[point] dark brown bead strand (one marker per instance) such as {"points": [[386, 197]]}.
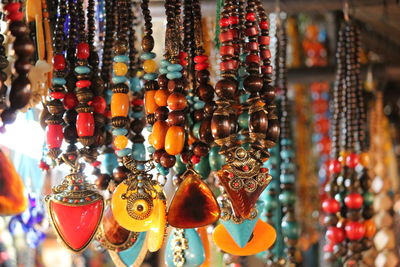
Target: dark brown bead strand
{"points": [[3, 76]]}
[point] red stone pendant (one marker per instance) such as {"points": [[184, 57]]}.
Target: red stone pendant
{"points": [[194, 204], [75, 212]]}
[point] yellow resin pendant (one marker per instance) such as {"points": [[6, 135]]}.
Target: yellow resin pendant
{"points": [[156, 234]]}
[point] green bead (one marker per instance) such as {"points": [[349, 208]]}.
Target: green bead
{"points": [[179, 167], [215, 159], [243, 120], [196, 130], [287, 197], [203, 167], [368, 198], [291, 230]]}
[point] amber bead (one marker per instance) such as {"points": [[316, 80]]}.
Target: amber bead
{"points": [[120, 69], [167, 161], [119, 105], [176, 117], [193, 204], [120, 141], [149, 66], [258, 122], [174, 140], [205, 131], [177, 101], [364, 159], [220, 126], [253, 84], [161, 113], [160, 129], [149, 102], [161, 96], [205, 92], [226, 88]]}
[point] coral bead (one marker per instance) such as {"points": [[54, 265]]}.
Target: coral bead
{"points": [[120, 141], [370, 228], [149, 65], [264, 25], [85, 124], [120, 69], [330, 205], [161, 97], [335, 166], [200, 59], [251, 16], [83, 83], [352, 160], [233, 20], [12, 7], [59, 62], [99, 104], [177, 101], [54, 135], [335, 235], [15, 16], [119, 105], [149, 101], [160, 129], [82, 51], [354, 230], [224, 22], [70, 100], [364, 159], [174, 140], [353, 201]]}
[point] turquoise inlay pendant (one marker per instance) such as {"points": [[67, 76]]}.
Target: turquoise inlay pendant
{"points": [[133, 256]]}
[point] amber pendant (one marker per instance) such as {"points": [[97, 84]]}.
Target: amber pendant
{"points": [[244, 179], [75, 207], [194, 204]]}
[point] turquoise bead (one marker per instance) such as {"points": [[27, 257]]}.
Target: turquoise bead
{"points": [[124, 152], [243, 98], [82, 69], [287, 178], [140, 167], [286, 142], [246, 146], [135, 85], [174, 75], [150, 76], [286, 154], [196, 130], [196, 98], [291, 230], [109, 163], [215, 159], [130, 255], [241, 137], [59, 81], [290, 166], [162, 170], [164, 63], [274, 173], [163, 70], [119, 79], [121, 58], [287, 197], [203, 167], [148, 55], [119, 131], [368, 199], [243, 57], [174, 67], [199, 105], [243, 120], [179, 167], [138, 151], [149, 128], [151, 149], [273, 160], [138, 115], [242, 72], [271, 203]]}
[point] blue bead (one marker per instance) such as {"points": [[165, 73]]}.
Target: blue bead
{"points": [[199, 105], [164, 63], [135, 84], [151, 149], [174, 67], [286, 154], [174, 75], [138, 151], [121, 58], [291, 229], [59, 81], [119, 131], [124, 152], [82, 69], [147, 55], [163, 70], [119, 79], [287, 178], [286, 142], [150, 76], [138, 115], [140, 167]]}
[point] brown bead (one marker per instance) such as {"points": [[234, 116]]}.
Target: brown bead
{"points": [[120, 173], [220, 126], [161, 113], [22, 66], [198, 115], [23, 46], [177, 101], [203, 76], [167, 161], [18, 28], [158, 154], [70, 133], [151, 85], [226, 88], [353, 215], [368, 212], [70, 116], [176, 117], [258, 122], [175, 85], [273, 130], [268, 93], [163, 81], [113, 232], [253, 84], [210, 107], [121, 47], [148, 43], [20, 93], [330, 220], [137, 125], [200, 149], [205, 131], [205, 92], [102, 181]]}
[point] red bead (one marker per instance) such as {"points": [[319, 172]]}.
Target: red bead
{"points": [[355, 230], [70, 100], [352, 160], [264, 40], [200, 59], [328, 247], [182, 55], [225, 36], [15, 16], [183, 62], [195, 159], [227, 65], [330, 205], [233, 20], [82, 51], [264, 170], [335, 235], [201, 66], [231, 175], [354, 201], [246, 168], [226, 50], [59, 62], [96, 163], [57, 95], [266, 69], [264, 25], [252, 46], [12, 7], [252, 58], [83, 83], [99, 104], [224, 22], [54, 135], [251, 16], [43, 165], [138, 102], [233, 32], [85, 124], [335, 166], [252, 31], [265, 54]]}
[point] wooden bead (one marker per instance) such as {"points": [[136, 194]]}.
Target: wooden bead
{"points": [[176, 117], [205, 131], [161, 113], [253, 83], [220, 126], [200, 149], [205, 92], [20, 93], [167, 161], [177, 101], [226, 88], [258, 122], [174, 140], [198, 115], [158, 154]]}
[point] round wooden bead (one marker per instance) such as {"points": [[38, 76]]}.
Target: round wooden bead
{"points": [[198, 115], [253, 83], [161, 113], [158, 154], [220, 126], [177, 101], [167, 161], [20, 93], [205, 131], [200, 149], [23, 46], [176, 117], [226, 88], [258, 122], [205, 92], [18, 28]]}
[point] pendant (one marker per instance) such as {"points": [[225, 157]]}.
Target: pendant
{"points": [[75, 207], [184, 249], [202, 231], [133, 256], [194, 204], [244, 179], [138, 203]]}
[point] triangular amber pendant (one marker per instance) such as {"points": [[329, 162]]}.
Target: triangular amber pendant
{"points": [[194, 204]]}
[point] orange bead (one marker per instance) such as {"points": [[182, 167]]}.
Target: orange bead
{"points": [[364, 159], [264, 236], [174, 140], [120, 141], [149, 102], [343, 156], [160, 129], [370, 228], [161, 97], [177, 101], [120, 69], [119, 105]]}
